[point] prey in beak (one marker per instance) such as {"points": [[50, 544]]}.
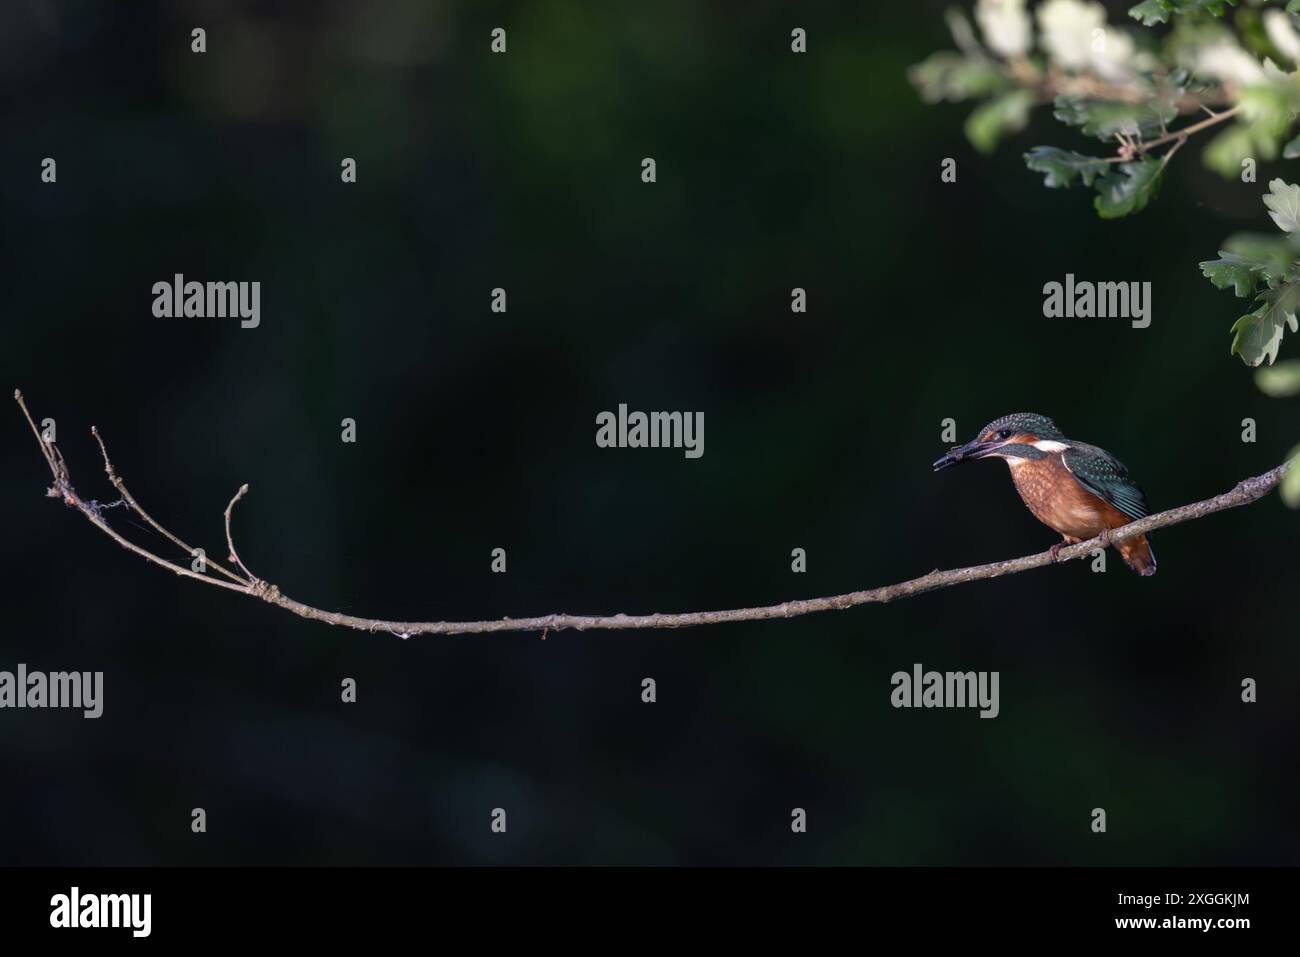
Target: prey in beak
{"points": [[974, 449]]}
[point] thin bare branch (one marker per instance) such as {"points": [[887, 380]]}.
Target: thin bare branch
{"points": [[230, 541], [139, 510], [1182, 134], [62, 488], [1245, 492], [40, 439]]}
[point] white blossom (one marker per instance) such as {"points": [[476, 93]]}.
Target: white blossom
{"points": [[1228, 63], [1005, 25], [1112, 54], [1067, 28], [1278, 26]]}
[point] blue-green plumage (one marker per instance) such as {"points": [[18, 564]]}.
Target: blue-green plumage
{"points": [[1029, 423], [1102, 474]]}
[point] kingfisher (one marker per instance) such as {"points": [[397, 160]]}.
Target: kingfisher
{"points": [[1075, 489]]}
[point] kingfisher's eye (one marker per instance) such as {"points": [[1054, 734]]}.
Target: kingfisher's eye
{"points": [[1004, 434]]}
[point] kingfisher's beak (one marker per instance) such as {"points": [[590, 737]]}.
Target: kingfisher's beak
{"points": [[974, 449]]}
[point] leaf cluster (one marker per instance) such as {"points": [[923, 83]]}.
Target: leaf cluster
{"points": [[1265, 269]]}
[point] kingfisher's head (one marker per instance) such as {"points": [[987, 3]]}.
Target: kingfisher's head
{"points": [[1024, 435]]}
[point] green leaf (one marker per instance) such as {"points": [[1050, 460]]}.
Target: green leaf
{"points": [[1290, 488], [1129, 189], [1283, 202], [1248, 261], [1215, 8], [1063, 167], [1259, 334], [952, 76], [1267, 112], [1226, 151], [1271, 105], [997, 117], [1292, 149], [959, 25], [1151, 12], [1104, 118], [1273, 256], [1281, 380], [1232, 270]]}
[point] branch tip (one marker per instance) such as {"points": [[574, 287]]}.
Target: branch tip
{"points": [[253, 580]]}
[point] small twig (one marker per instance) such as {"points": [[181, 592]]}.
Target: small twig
{"points": [[230, 541], [1246, 491], [62, 488], [1181, 135], [135, 506], [1164, 160], [40, 439]]}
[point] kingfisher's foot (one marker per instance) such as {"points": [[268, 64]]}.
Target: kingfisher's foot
{"points": [[1104, 537], [1055, 551]]}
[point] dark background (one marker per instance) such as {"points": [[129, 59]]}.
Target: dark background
{"points": [[476, 430]]}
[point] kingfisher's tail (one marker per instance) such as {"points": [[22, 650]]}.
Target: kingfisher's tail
{"points": [[1137, 553]]}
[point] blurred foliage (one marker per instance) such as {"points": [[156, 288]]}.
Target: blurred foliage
{"points": [[1127, 90]]}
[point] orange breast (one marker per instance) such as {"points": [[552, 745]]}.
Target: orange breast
{"points": [[1058, 500]]}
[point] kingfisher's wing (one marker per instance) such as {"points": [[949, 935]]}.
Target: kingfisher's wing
{"points": [[1106, 478]]}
